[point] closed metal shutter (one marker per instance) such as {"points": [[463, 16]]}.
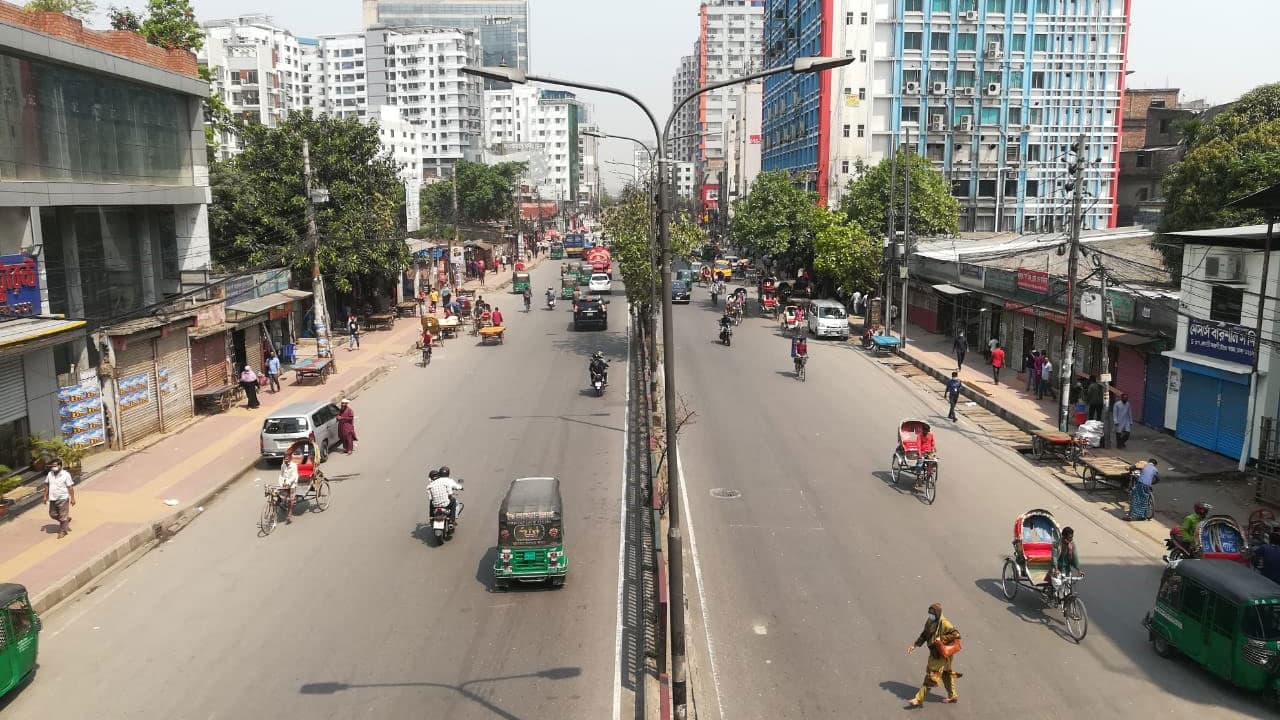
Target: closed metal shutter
{"points": [[1157, 385], [1130, 375], [1198, 410], [1233, 407], [253, 347], [209, 366], [174, 366], [136, 391], [13, 390]]}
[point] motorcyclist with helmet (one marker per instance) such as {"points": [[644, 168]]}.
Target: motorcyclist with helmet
{"points": [[1191, 523], [551, 298], [443, 491], [598, 366]]}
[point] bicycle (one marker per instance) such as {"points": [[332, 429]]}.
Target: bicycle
{"points": [[800, 362], [426, 355]]}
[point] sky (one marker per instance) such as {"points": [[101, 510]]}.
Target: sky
{"points": [[1211, 53]]}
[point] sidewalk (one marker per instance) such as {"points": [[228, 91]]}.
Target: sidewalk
{"points": [[121, 497], [1188, 473]]}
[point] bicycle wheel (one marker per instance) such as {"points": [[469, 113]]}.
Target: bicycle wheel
{"points": [[270, 516], [1090, 479], [1009, 579], [322, 497], [1076, 616], [931, 486], [1037, 448], [895, 469]]}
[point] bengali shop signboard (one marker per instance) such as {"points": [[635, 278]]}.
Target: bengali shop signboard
{"points": [[1036, 281], [19, 286], [1222, 341]]}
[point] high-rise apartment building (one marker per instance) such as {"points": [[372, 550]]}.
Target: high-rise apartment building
{"points": [[641, 166], [501, 25], [526, 115], [588, 165], [335, 74], [993, 92], [684, 131], [742, 137]]}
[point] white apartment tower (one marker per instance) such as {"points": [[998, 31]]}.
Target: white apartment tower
{"points": [[684, 142], [732, 44], [742, 138], [588, 166], [642, 166], [523, 115]]}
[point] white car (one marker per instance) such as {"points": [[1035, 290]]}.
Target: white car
{"points": [[600, 284]]}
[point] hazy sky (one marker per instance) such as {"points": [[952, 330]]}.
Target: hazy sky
{"points": [[1215, 54]]}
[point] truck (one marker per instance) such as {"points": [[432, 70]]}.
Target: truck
{"points": [[574, 244], [600, 258]]}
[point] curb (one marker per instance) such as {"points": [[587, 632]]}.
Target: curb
{"points": [[166, 527]]}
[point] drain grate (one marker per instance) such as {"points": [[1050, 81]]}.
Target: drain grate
{"points": [[725, 494]]}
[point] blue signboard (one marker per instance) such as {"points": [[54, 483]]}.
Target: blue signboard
{"points": [[19, 286], [1222, 341]]}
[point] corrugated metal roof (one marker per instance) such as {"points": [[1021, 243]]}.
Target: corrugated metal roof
{"points": [[257, 306], [28, 329], [206, 331], [296, 294], [1245, 232]]}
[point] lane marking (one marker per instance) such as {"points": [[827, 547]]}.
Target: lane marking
{"points": [[697, 573], [622, 535]]}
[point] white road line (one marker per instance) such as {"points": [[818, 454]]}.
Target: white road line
{"points": [[622, 535], [697, 573]]}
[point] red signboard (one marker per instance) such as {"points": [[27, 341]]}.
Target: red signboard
{"points": [[755, 139], [1034, 280], [1050, 315]]}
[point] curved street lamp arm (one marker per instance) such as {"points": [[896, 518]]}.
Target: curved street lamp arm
{"points": [[716, 86], [611, 91]]}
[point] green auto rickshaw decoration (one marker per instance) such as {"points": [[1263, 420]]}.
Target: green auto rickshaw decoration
{"points": [[1223, 616], [557, 251], [19, 637], [568, 283], [530, 534], [584, 273], [520, 282]]}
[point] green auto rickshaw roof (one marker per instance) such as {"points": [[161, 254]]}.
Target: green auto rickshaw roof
{"points": [[10, 592], [532, 496], [1230, 579]]}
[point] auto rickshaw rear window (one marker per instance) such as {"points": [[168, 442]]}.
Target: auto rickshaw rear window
{"points": [[280, 426], [1262, 622], [20, 617]]}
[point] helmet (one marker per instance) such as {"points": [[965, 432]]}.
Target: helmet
{"points": [[1203, 508], [443, 471], [433, 474], [597, 355]]}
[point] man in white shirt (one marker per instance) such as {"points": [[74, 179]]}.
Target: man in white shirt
{"points": [[288, 483], [60, 494], [1046, 376], [442, 489]]}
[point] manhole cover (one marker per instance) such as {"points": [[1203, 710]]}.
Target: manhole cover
{"points": [[725, 493]]}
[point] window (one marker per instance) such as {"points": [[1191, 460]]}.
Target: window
{"points": [[938, 76], [1010, 188], [1037, 80], [990, 116], [1194, 600], [1015, 79], [848, 53], [942, 5], [1170, 592], [912, 40], [863, 19], [862, 93], [914, 6], [1156, 103], [1020, 6], [1142, 195], [910, 114], [1262, 622], [1165, 126], [966, 78], [995, 6], [1033, 188], [967, 41], [862, 56], [1041, 43], [940, 41], [1226, 304], [1042, 6], [1018, 43], [1142, 160], [987, 188], [960, 188], [862, 131], [1034, 153], [991, 77], [935, 151], [1037, 117], [1015, 115], [848, 18], [844, 167], [908, 76], [845, 130]]}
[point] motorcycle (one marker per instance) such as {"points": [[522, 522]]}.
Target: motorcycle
{"points": [[442, 525], [528, 303], [597, 382], [551, 302], [1175, 549], [726, 334]]}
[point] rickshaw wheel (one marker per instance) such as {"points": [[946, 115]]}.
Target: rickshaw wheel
{"points": [[1090, 479], [322, 496], [324, 451], [1077, 618], [1009, 579], [931, 487], [270, 516], [1037, 448], [895, 469]]}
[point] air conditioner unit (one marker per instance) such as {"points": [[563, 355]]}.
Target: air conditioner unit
{"points": [[971, 16], [995, 55], [993, 47], [939, 88], [993, 89], [966, 123], [968, 92], [937, 123], [911, 87], [1224, 268]]}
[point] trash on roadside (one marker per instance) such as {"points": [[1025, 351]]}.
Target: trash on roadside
{"points": [[200, 509], [171, 502]]}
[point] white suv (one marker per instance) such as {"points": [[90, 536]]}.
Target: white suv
{"points": [[828, 318], [600, 284]]}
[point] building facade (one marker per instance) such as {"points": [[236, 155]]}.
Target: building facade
{"points": [[684, 130], [731, 44], [588, 167], [641, 166], [1153, 142], [742, 139], [523, 115], [502, 26]]}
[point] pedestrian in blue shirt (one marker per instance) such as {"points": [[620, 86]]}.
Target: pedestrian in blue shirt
{"points": [[273, 371], [953, 395], [1269, 555]]}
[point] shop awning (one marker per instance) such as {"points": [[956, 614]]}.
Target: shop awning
{"points": [[245, 310], [1223, 365], [296, 294], [1124, 338], [204, 332], [946, 289], [29, 333]]}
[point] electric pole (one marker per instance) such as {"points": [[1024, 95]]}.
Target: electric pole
{"points": [[1069, 356], [320, 314], [906, 235], [1105, 376], [890, 238], [453, 240]]}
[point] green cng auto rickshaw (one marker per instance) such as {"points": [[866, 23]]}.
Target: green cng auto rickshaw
{"points": [[557, 251], [1222, 615], [584, 273], [520, 282], [19, 637], [530, 534], [568, 283]]}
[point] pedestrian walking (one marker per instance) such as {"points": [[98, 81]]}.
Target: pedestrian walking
{"points": [[273, 371], [1122, 420], [960, 347], [943, 641], [1046, 377], [991, 347], [59, 495], [347, 427], [1140, 495], [353, 329], [249, 381], [857, 302], [435, 300], [997, 361], [1029, 361], [496, 317], [1093, 398], [953, 395]]}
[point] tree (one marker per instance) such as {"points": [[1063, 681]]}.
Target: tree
{"points": [[629, 225], [257, 217], [776, 219], [845, 255], [687, 237], [124, 19], [172, 24], [933, 210], [486, 193], [79, 9]]}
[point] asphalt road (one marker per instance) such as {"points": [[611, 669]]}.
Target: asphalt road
{"points": [[351, 612], [811, 584]]}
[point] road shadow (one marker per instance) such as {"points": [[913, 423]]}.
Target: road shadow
{"points": [[900, 690], [422, 533], [585, 342], [484, 570], [477, 696], [787, 374], [1026, 606]]}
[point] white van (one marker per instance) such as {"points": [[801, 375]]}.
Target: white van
{"points": [[827, 318]]}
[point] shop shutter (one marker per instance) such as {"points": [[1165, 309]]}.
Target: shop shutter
{"points": [[1233, 407], [1130, 378], [174, 366], [1156, 387], [253, 347], [209, 362], [1198, 410], [136, 391], [13, 390]]}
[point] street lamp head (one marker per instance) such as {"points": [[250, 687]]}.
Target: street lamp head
{"points": [[503, 74], [818, 63], [594, 134]]}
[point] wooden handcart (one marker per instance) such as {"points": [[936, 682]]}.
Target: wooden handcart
{"points": [[380, 321], [313, 368], [1053, 443], [492, 335], [431, 324], [449, 327], [220, 399], [408, 308], [885, 344], [1114, 472]]}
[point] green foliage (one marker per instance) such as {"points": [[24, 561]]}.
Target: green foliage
{"points": [[125, 19], [7, 480], [687, 237], [777, 219], [933, 210], [1232, 155], [485, 193], [45, 450], [79, 9], [629, 225], [258, 218], [845, 255], [172, 24]]}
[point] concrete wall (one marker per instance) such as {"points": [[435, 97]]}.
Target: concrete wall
{"points": [[42, 392]]}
